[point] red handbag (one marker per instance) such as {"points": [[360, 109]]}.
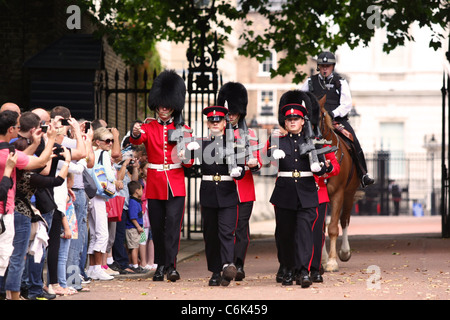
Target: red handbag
{"points": [[114, 207]]}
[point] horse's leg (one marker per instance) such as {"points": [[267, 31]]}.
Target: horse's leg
{"points": [[333, 233], [345, 252]]}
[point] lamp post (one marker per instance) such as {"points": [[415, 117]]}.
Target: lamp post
{"points": [[354, 118], [432, 146]]}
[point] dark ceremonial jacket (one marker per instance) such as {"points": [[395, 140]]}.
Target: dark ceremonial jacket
{"points": [[160, 151], [293, 193], [216, 194], [333, 93]]}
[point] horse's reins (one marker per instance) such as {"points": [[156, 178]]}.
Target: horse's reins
{"points": [[337, 145], [335, 135]]}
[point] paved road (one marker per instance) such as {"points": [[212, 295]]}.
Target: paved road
{"points": [[384, 266]]}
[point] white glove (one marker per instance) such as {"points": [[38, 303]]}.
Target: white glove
{"points": [[316, 166], [236, 172], [278, 154], [193, 146]]}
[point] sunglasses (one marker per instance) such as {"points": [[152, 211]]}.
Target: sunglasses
{"points": [[108, 141]]}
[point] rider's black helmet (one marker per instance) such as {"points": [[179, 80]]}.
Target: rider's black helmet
{"points": [[326, 58]]}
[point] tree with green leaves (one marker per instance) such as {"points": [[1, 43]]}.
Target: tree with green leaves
{"points": [[300, 28]]}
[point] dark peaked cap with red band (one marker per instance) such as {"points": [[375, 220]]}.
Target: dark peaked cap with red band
{"points": [[168, 90], [294, 110], [215, 113], [235, 94]]}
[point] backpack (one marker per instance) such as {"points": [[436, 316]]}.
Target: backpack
{"points": [[105, 188], [90, 187]]}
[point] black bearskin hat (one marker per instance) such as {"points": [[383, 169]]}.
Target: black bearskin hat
{"points": [[307, 99], [168, 90], [236, 96]]}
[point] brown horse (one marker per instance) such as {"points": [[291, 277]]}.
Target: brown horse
{"points": [[341, 190]]}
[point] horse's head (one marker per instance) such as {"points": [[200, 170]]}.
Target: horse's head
{"points": [[324, 113]]}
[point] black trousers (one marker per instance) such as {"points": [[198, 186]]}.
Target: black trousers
{"points": [[242, 232], [294, 236], [166, 217], [319, 236], [219, 225]]}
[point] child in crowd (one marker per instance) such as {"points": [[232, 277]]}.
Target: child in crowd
{"points": [[70, 231], [134, 223], [146, 249]]}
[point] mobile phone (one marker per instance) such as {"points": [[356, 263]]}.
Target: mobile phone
{"points": [[12, 149], [44, 128], [87, 126], [58, 150], [65, 122]]}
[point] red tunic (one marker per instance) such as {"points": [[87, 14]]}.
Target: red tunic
{"points": [[246, 186], [321, 181], [161, 152]]}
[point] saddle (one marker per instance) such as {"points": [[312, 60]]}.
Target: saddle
{"points": [[349, 144], [340, 129]]}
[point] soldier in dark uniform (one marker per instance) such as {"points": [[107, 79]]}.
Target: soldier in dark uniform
{"points": [[218, 198], [338, 103], [295, 194], [235, 96]]}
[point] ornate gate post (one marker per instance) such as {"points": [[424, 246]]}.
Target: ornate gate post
{"points": [[202, 87]]}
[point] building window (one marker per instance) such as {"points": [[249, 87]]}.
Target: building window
{"points": [[267, 102], [266, 65]]}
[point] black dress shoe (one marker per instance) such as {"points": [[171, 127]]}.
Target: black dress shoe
{"points": [[316, 276], [214, 281], [303, 280], [288, 278], [159, 274], [280, 274], [172, 274], [228, 274], [240, 274]]}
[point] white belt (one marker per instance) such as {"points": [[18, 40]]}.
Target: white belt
{"points": [[163, 167], [295, 174], [216, 178]]}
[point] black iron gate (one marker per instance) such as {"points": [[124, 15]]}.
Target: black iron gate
{"points": [[445, 210], [123, 99]]}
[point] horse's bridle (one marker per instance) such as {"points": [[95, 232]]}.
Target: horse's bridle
{"points": [[327, 132]]}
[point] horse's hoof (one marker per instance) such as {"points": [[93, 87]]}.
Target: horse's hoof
{"points": [[344, 255], [331, 266]]}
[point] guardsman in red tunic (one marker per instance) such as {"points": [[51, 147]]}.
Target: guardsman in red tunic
{"points": [[234, 95], [319, 227], [166, 189]]}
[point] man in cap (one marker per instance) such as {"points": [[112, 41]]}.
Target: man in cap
{"points": [[166, 189], [234, 95], [295, 194], [338, 103], [218, 198]]}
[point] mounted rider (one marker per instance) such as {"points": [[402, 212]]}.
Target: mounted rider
{"points": [[338, 104]]}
